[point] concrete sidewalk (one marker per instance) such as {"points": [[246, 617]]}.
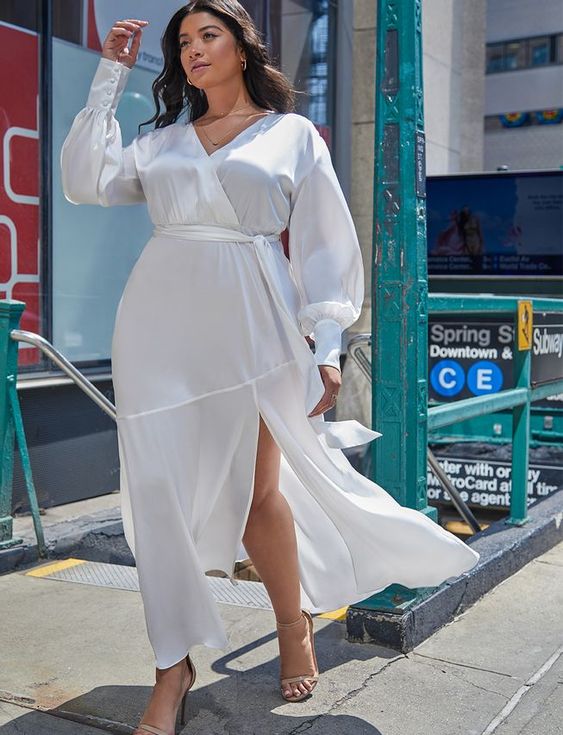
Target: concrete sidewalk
{"points": [[75, 659]]}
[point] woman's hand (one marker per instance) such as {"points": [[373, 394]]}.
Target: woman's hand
{"points": [[115, 45], [332, 379]]}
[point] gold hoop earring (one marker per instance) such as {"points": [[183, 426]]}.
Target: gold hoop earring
{"points": [[187, 77], [244, 64]]}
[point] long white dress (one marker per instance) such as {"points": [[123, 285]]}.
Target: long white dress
{"points": [[209, 333]]}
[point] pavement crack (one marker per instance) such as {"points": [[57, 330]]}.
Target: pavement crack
{"points": [[363, 685], [457, 675], [306, 725], [458, 663]]}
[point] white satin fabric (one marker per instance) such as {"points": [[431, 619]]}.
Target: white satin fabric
{"points": [[209, 334]]}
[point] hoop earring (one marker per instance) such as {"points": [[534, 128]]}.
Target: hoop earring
{"points": [[244, 65], [191, 85]]}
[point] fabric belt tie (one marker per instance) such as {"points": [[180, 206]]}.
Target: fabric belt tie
{"points": [[338, 434]]}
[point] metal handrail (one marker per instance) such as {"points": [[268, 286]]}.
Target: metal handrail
{"points": [[355, 350], [66, 366]]}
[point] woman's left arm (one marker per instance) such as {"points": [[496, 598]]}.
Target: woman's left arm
{"points": [[324, 253]]}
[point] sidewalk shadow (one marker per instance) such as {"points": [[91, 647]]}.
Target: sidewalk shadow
{"points": [[242, 702]]}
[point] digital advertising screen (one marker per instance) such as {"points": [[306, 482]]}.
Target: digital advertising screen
{"points": [[505, 224]]}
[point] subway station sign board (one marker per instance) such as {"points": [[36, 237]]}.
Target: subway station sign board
{"points": [[473, 357]]}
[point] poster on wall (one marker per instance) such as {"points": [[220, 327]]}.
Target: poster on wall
{"points": [[19, 185], [508, 224]]}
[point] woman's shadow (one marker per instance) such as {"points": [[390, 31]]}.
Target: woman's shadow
{"points": [[243, 699]]}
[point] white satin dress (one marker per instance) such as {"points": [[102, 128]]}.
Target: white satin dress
{"points": [[209, 333]]}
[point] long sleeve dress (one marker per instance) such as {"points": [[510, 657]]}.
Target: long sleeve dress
{"points": [[210, 334]]}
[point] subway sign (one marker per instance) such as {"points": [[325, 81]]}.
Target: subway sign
{"points": [[473, 357]]}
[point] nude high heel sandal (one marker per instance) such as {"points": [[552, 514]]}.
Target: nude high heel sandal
{"points": [[312, 679], [143, 727]]}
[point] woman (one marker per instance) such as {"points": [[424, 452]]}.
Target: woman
{"points": [[224, 451]]}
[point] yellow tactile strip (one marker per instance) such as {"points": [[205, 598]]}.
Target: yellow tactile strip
{"points": [[56, 566], [339, 614], [247, 594]]}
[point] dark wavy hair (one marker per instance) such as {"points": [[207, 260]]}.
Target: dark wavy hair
{"points": [[268, 87]]}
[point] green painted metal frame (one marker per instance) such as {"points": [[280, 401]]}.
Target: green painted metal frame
{"points": [[479, 303], [399, 271], [399, 267], [11, 425], [397, 598], [400, 299], [519, 398]]}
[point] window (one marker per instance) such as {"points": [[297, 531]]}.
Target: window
{"points": [[495, 58], [539, 51], [524, 53], [514, 55]]}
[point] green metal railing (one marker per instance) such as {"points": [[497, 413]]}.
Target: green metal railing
{"points": [[11, 423], [518, 398]]}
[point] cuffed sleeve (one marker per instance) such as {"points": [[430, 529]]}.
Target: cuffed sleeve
{"points": [[95, 167], [328, 339], [325, 254]]}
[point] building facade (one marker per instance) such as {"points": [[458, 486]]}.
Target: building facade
{"points": [[524, 85]]}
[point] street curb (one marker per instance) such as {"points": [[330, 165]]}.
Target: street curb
{"points": [[504, 549], [95, 537]]}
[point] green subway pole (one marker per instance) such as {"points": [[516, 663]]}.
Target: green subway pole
{"points": [[399, 272], [399, 276], [10, 314]]}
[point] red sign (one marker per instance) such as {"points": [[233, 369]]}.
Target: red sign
{"points": [[19, 184]]}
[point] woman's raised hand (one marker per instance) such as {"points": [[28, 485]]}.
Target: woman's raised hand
{"points": [[115, 45]]}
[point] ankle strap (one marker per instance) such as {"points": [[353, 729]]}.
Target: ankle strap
{"points": [[289, 625]]}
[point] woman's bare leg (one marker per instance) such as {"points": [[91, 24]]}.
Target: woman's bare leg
{"points": [[271, 543], [165, 698]]}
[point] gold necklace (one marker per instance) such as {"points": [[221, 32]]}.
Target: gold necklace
{"points": [[226, 114], [216, 143]]}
